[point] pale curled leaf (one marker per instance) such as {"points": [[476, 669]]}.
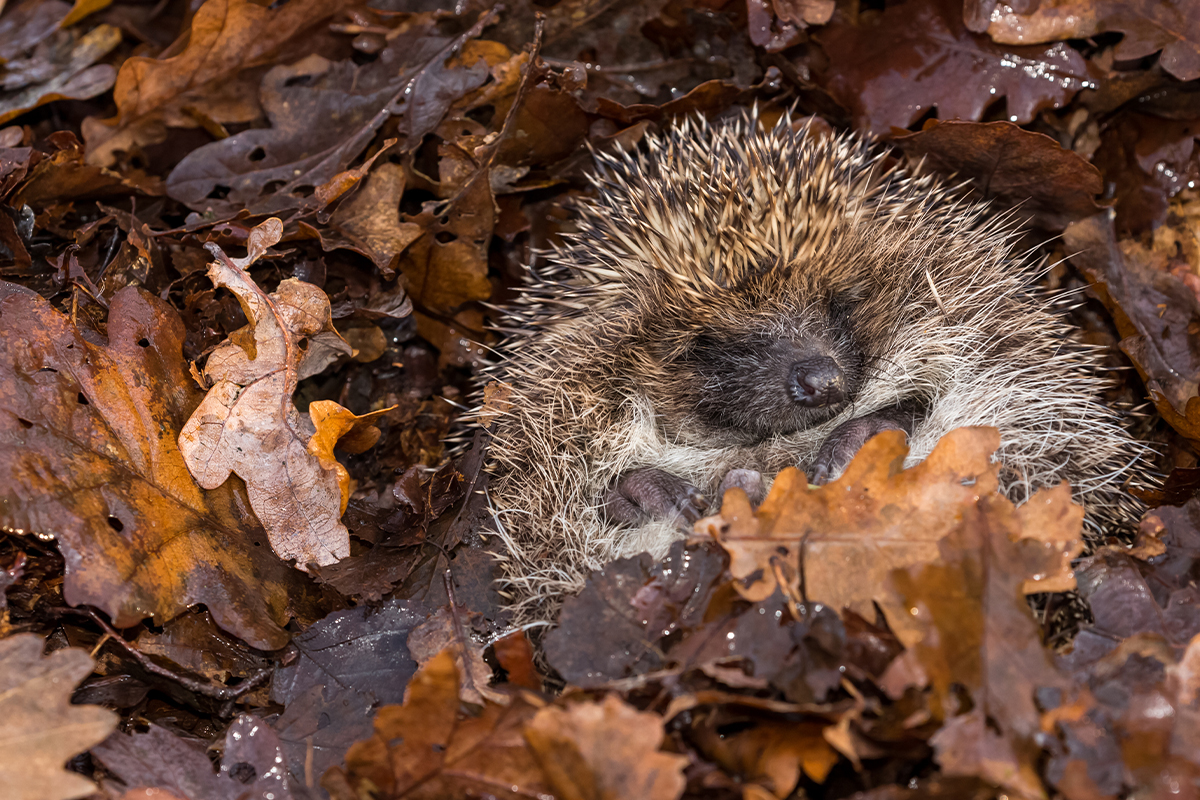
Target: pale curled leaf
{"points": [[248, 424], [39, 728]]}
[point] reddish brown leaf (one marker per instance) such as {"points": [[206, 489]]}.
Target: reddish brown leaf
{"points": [[428, 749], [1047, 183], [892, 68], [1148, 26], [91, 458], [1155, 305]]}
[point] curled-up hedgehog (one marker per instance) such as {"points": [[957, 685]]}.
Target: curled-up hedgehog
{"points": [[739, 300]]}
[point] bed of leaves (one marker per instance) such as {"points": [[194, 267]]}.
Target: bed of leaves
{"points": [[246, 255]]}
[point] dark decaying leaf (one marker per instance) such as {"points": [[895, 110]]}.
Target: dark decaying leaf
{"points": [[359, 648], [90, 457], [1044, 182], [251, 767], [613, 628], [892, 68], [1155, 310]]}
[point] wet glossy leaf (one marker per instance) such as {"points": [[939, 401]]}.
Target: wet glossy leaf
{"points": [[891, 69], [1148, 26]]}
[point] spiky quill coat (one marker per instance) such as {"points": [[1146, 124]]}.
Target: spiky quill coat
{"points": [[731, 228]]}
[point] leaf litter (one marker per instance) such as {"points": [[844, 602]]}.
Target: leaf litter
{"points": [[184, 430]]}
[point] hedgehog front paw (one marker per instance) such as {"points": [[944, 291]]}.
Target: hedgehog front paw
{"points": [[644, 494], [847, 439]]}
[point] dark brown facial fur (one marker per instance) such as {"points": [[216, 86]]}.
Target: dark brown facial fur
{"points": [[789, 370]]}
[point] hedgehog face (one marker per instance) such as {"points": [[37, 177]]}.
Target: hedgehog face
{"points": [[783, 372]]}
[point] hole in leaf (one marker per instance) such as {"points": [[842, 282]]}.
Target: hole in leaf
{"points": [[304, 190], [257, 154], [445, 237], [83, 401], [25, 423], [143, 342], [115, 524], [271, 187], [219, 192], [243, 772]]}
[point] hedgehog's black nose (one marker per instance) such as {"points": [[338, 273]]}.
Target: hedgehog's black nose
{"points": [[818, 382]]}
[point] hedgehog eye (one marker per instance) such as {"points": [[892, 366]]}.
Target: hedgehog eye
{"points": [[842, 304]]}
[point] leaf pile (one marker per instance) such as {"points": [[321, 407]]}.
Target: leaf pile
{"points": [[248, 252]]}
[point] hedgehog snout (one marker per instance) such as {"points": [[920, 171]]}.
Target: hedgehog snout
{"points": [[817, 382]]}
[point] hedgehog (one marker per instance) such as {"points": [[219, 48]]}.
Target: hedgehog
{"points": [[737, 299]]}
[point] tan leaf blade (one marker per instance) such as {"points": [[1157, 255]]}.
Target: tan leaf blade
{"points": [[39, 728]]}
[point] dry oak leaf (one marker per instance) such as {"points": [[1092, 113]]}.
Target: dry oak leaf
{"points": [[39, 728], [430, 747], [845, 538], [196, 79], [1148, 25], [605, 751], [974, 629], [248, 424], [89, 456]]}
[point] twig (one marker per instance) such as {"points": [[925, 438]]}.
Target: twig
{"points": [[204, 688], [518, 102]]}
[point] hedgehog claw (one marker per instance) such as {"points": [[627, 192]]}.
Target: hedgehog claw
{"points": [[848, 438], [749, 481], [644, 494]]}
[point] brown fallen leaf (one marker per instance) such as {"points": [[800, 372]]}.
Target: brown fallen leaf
{"points": [[891, 69], [1148, 26], [247, 423], [39, 728], [605, 750], [842, 540], [773, 754], [370, 222], [428, 748], [1047, 183], [225, 37], [968, 625], [89, 456]]}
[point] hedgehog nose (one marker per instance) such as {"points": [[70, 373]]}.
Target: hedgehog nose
{"points": [[818, 382]]}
